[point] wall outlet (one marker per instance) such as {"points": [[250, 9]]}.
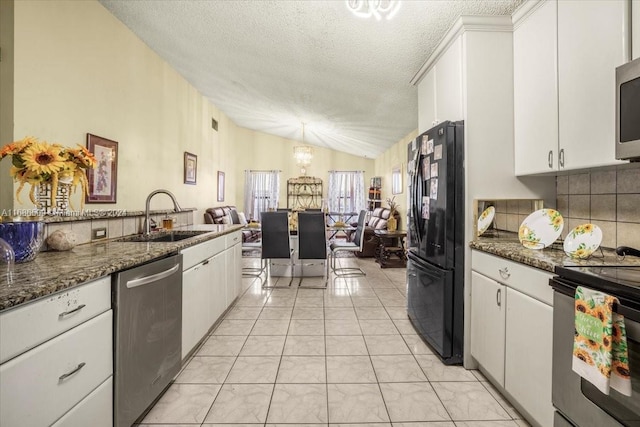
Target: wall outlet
{"points": [[98, 233]]}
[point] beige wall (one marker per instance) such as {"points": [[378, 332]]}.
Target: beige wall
{"points": [[79, 70], [394, 156]]}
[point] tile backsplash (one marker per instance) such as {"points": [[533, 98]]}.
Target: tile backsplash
{"points": [[608, 198]]}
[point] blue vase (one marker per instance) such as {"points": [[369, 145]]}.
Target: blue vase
{"points": [[24, 234]]}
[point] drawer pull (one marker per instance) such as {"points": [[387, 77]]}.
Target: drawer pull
{"points": [[75, 310], [499, 297], [68, 374], [504, 272]]}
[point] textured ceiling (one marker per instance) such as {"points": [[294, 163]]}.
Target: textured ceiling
{"points": [[271, 65]]}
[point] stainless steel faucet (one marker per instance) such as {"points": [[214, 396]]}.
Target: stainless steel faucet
{"points": [[176, 208]]}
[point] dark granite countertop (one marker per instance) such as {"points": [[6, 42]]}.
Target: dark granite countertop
{"points": [[53, 271], [508, 246]]}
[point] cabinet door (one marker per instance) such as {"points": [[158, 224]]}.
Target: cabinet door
{"points": [[427, 101], [528, 358], [449, 84], [238, 268], [195, 306], [590, 47], [217, 286], [535, 97], [635, 29], [232, 277], [488, 300]]}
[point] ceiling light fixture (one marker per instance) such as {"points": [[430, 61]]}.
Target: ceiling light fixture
{"points": [[303, 155], [376, 8]]}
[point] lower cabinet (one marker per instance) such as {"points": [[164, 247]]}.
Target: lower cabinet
{"points": [[512, 332], [488, 325], [528, 355], [195, 305], [95, 410]]}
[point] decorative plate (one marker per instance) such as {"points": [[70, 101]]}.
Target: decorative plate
{"points": [[541, 228], [485, 220], [583, 240]]}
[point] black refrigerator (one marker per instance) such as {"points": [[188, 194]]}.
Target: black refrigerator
{"points": [[435, 269]]}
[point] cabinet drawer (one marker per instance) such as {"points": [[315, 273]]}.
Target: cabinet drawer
{"points": [[33, 323], [528, 280], [33, 388], [233, 239], [95, 410], [198, 253]]}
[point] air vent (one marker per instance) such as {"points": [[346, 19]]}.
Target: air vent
{"points": [[214, 124]]}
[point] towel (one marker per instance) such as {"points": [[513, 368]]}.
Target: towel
{"points": [[600, 352]]}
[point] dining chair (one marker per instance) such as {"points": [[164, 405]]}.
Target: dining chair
{"points": [[252, 270], [312, 242], [354, 246], [275, 242]]}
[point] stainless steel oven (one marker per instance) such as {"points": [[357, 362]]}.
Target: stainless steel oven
{"points": [[577, 402]]}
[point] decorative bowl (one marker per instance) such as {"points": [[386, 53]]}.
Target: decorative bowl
{"points": [[541, 228], [24, 234], [582, 241]]}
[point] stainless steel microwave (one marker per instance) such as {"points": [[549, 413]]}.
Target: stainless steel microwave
{"points": [[628, 111]]}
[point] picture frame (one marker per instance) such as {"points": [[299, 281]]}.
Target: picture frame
{"points": [[220, 186], [103, 180], [396, 179], [190, 168]]}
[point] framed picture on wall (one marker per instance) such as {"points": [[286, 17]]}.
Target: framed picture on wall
{"points": [[220, 186], [103, 180], [190, 168], [396, 179]]}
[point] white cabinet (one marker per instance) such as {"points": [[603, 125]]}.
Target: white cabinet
{"points": [[635, 29], [440, 90], [590, 47], [195, 305], [528, 357], [512, 331], [95, 410], [234, 267], [42, 384], [535, 107], [565, 55], [488, 325], [218, 300]]}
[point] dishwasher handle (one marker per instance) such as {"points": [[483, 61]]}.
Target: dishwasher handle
{"points": [[153, 278]]}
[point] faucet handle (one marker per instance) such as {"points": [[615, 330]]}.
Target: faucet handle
{"points": [[152, 224]]}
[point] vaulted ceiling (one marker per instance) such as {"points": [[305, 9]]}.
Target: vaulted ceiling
{"points": [[273, 65]]}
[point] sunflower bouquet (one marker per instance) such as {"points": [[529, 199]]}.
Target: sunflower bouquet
{"points": [[37, 162]]}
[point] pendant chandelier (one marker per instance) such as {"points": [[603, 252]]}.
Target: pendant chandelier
{"points": [[303, 155]]}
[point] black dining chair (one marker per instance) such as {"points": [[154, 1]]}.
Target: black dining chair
{"points": [[355, 245], [312, 242], [276, 244]]}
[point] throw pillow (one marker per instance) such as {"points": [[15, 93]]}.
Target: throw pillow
{"points": [[243, 219]]}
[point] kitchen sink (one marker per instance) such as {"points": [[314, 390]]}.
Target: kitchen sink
{"points": [[162, 236]]}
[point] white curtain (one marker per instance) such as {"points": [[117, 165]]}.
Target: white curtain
{"points": [[346, 191], [261, 191]]}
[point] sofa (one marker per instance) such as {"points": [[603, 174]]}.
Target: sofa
{"points": [[377, 221], [230, 215]]}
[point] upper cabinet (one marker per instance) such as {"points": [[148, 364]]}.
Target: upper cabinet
{"points": [[565, 56], [635, 29], [440, 91], [535, 96]]}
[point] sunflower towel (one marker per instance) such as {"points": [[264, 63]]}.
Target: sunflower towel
{"points": [[600, 352]]}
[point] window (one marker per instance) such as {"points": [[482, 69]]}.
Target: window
{"points": [[261, 190], [346, 191]]}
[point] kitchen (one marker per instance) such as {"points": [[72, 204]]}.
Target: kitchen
{"points": [[488, 132]]}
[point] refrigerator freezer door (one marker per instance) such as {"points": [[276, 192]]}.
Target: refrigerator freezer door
{"points": [[430, 304]]}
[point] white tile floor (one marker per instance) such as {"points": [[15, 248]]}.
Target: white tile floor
{"points": [[346, 356]]}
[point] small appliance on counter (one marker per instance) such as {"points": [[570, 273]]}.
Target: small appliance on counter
{"points": [[628, 111], [435, 268], [577, 401]]}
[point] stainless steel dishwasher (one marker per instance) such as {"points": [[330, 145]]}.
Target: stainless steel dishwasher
{"points": [[147, 335]]}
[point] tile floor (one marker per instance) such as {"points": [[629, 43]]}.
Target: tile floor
{"points": [[346, 356]]}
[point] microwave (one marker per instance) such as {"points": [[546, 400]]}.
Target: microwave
{"points": [[628, 111]]}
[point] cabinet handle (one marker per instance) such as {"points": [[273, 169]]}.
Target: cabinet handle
{"points": [[68, 374], [561, 158], [504, 272], [206, 262], [75, 310], [550, 158], [499, 297]]}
